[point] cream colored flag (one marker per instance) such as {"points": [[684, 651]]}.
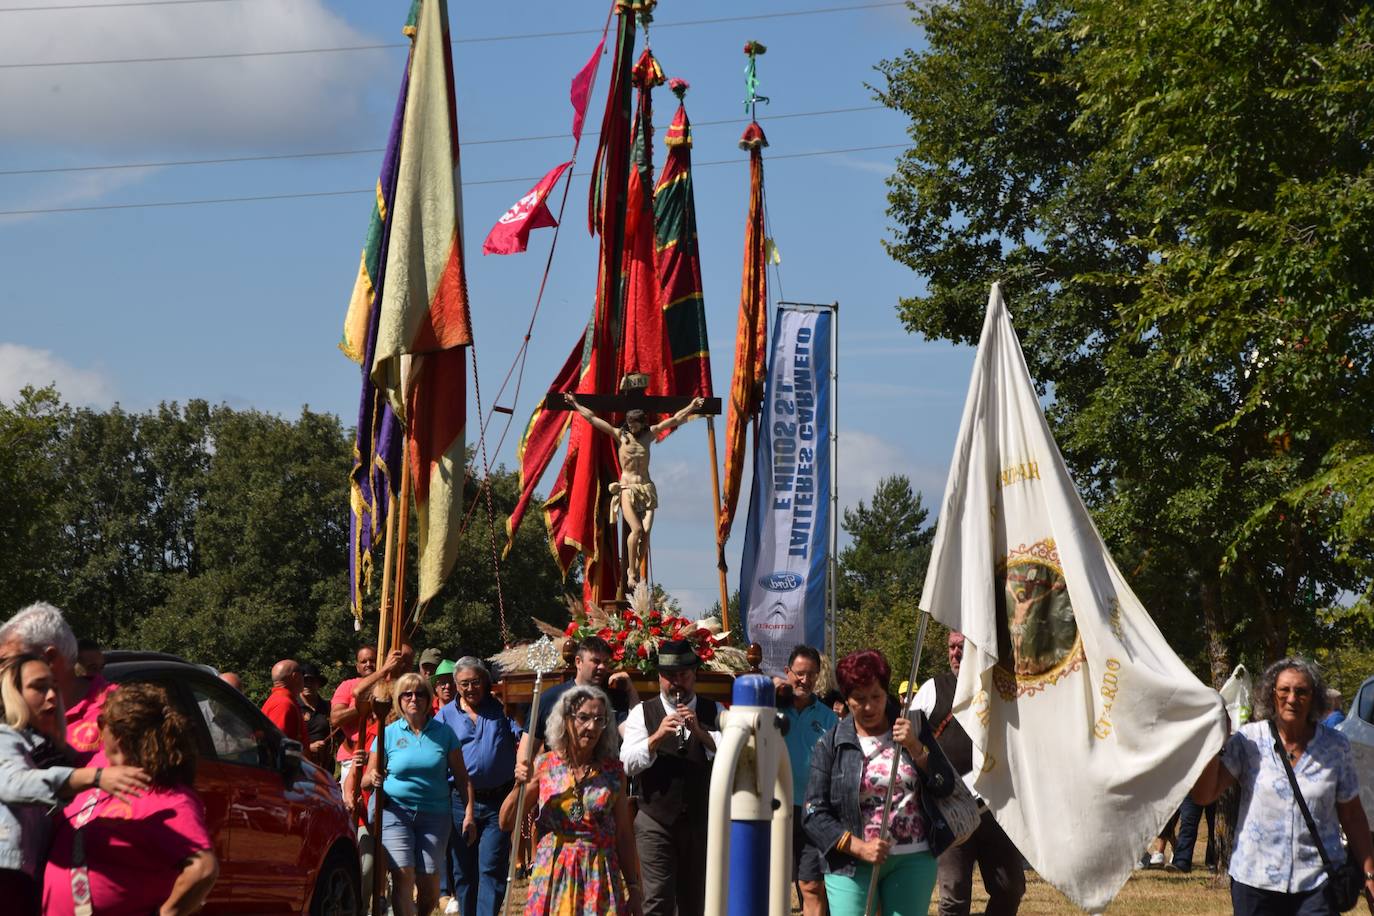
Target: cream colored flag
{"points": [[1087, 729]]}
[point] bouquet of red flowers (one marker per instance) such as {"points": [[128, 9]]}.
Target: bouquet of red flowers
{"points": [[635, 635]]}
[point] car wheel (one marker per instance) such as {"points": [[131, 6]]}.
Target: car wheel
{"points": [[337, 891]]}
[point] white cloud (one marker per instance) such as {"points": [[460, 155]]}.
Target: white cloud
{"points": [[21, 365], [68, 191], [235, 102], [866, 459]]}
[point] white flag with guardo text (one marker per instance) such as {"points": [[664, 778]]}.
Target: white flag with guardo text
{"points": [[1087, 729]]}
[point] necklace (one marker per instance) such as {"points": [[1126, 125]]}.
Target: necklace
{"points": [[577, 810]]}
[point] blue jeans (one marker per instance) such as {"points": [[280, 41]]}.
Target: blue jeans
{"points": [[479, 870], [414, 839], [1189, 816]]}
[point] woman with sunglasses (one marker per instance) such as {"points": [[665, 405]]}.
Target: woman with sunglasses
{"points": [[418, 756], [586, 863]]}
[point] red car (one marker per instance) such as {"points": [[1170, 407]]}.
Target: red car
{"points": [[284, 841]]}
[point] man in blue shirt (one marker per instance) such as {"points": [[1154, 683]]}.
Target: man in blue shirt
{"points": [[489, 739], [808, 719]]}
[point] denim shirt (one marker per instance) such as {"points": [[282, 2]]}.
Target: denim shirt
{"points": [[28, 797], [832, 793], [1274, 850]]}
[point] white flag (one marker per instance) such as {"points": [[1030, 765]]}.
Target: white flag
{"points": [[1087, 729]]}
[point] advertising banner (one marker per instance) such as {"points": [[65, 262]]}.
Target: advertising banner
{"points": [[783, 570]]}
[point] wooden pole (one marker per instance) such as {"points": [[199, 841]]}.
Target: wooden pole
{"points": [[384, 623], [402, 548], [720, 548], [390, 625]]}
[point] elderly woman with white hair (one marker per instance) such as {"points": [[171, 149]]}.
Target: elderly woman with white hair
{"points": [[586, 863], [1277, 866], [481, 854]]}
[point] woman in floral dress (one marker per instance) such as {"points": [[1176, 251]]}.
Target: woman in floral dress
{"points": [[586, 863]]}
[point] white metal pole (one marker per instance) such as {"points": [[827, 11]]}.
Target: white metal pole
{"points": [[734, 736], [780, 853], [834, 477]]}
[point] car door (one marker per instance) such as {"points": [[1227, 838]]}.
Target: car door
{"points": [[215, 786], [263, 823]]}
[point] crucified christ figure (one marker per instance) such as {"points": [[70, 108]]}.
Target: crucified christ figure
{"points": [[634, 491]]}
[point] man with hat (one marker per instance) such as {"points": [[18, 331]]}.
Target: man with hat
{"points": [[429, 663], [444, 688], [315, 709], [669, 743]]}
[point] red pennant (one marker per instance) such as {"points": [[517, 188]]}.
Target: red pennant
{"points": [[511, 234], [582, 89]]}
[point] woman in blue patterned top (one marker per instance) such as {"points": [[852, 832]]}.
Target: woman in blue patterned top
{"points": [[1275, 866]]}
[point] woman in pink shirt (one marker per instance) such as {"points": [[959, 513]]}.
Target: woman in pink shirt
{"points": [[136, 855]]}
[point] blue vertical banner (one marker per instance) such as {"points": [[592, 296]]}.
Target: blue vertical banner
{"points": [[783, 570]]}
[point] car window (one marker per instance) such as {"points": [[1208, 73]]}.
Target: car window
{"points": [[1364, 703], [234, 736]]}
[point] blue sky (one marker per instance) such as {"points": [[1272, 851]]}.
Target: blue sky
{"points": [[242, 303]]}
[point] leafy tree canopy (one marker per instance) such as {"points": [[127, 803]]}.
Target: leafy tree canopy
{"points": [[1177, 197]]}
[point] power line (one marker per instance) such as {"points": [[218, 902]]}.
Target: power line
{"points": [[457, 41], [103, 6], [326, 154], [467, 184]]}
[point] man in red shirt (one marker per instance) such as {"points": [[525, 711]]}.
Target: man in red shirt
{"points": [[283, 704]]}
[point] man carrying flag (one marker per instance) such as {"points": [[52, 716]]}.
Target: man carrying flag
{"points": [[1086, 729]]}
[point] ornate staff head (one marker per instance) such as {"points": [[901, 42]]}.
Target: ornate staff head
{"points": [[542, 656]]}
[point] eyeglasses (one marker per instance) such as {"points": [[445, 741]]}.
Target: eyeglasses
{"points": [[410, 694], [585, 718], [469, 684]]}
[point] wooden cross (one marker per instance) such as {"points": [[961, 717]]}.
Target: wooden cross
{"points": [[633, 400]]}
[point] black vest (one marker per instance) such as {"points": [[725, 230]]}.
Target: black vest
{"points": [[954, 741], [679, 780]]}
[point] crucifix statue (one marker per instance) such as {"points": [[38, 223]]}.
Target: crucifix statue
{"points": [[634, 494]]}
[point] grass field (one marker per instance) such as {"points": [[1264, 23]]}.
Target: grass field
{"points": [[1148, 893]]}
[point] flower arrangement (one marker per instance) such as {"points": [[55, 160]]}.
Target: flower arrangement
{"points": [[635, 633]]}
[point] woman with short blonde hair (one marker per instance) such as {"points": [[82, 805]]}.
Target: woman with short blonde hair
{"points": [[412, 764]]}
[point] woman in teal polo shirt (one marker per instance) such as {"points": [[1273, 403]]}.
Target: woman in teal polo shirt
{"points": [[418, 756]]}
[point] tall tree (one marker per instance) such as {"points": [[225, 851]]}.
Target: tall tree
{"points": [[1090, 156], [881, 573]]}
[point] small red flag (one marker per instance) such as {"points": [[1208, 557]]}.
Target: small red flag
{"points": [[511, 234], [582, 89]]}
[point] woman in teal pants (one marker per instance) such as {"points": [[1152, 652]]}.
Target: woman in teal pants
{"points": [[850, 770]]}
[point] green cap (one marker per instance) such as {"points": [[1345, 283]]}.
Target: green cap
{"points": [[445, 667]]}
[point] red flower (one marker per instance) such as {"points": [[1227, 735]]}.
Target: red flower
{"points": [[623, 635], [643, 651], [655, 631], [702, 633], [605, 633], [618, 654], [706, 653], [655, 616], [571, 630]]}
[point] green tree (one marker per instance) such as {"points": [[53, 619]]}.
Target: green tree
{"points": [[1091, 157], [881, 574]]}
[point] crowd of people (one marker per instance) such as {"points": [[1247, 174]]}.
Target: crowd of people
{"points": [[99, 814]]}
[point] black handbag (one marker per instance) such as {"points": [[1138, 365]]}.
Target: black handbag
{"points": [[1345, 882]]}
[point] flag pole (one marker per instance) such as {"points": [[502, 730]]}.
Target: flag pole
{"points": [[834, 567], [389, 626], [383, 623], [720, 548], [896, 759]]}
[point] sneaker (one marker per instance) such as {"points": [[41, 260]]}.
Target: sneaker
{"points": [[1156, 860], [452, 907]]}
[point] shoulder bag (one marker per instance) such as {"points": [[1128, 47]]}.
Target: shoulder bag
{"points": [[1345, 882], [955, 802]]}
